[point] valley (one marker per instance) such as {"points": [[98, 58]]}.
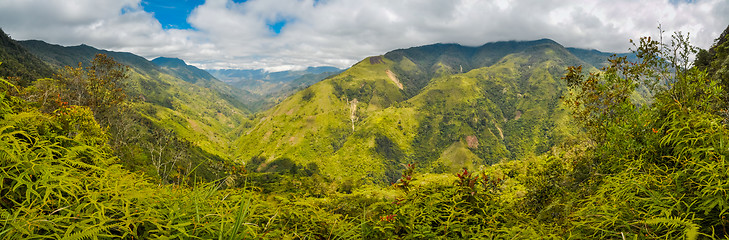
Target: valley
{"points": [[509, 139], [263, 89], [508, 101]]}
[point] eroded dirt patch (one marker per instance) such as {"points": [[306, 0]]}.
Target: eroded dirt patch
{"points": [[376, 60], [392, 77], [353, 112], [472, 141], [501, 133]]}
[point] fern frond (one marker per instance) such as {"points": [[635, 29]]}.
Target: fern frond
{"points": [[88, 233], [5, 82], [690, 229]]}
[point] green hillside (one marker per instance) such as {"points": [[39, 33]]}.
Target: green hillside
{"points": [[18, 64], [166, 115], [315, 122], [469, 106], [548, 150]]}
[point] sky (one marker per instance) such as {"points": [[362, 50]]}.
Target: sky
{"points": [[293, 34]]}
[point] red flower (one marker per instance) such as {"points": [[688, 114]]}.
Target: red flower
{"points": [[388, 218]]}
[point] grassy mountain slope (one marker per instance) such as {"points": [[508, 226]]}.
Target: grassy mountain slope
{"points": [[315, 122], [442, 106], [198, 114], [20, 64]]}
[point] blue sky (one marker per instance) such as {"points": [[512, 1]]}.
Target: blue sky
{"points": [[171, 14], [295, 34]]}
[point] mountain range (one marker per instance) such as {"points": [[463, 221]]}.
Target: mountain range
{"points": [[504, 140], [18, 63], [169, 100], [263, 89], [441, 106]]}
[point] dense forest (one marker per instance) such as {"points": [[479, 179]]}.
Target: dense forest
{"points": [[532, 142]]}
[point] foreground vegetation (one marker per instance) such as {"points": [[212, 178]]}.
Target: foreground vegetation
{"points": [[652, 170]]}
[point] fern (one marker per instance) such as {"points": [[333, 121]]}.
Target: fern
{"points": [[88, 233], [690, 229]]}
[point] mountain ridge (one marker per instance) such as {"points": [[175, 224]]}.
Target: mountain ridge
{"points": [[264, 89], [491, 103], [18, 62], [166, 112], [59, 56], [182, 70]]}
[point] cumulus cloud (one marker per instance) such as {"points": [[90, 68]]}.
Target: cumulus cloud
{"points": [[340, 32], [110, 24]]}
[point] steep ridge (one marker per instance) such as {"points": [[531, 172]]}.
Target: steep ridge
{"points": [[459, 106], [203, 115], [18, 64], [419, 64], [314, 123]]}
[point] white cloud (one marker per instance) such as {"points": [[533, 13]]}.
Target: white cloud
{"points": [[339, 33]]}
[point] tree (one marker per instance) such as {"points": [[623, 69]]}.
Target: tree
{"points": [[99, 87], [166, 153]]}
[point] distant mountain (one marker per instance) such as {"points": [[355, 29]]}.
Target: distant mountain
{"points": [[178, 68], [197, 108], [597, 58], [238, 75], [441, 106], [268, 88], [18, 63]]}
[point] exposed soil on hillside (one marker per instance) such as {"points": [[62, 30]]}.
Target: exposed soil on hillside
{"points": [[472, 141], [376, 60], [501, 133], [393, 78], [353, 112]]}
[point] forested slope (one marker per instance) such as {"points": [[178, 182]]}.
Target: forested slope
{"points": [[629, 171], [159, 124], [442, 106], [20, 65]]}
